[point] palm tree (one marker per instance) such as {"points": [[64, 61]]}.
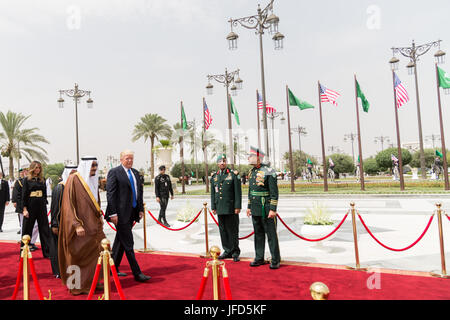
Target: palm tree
{"points": [[17, 142], [151, 127]]}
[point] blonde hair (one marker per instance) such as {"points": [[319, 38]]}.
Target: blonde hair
{"points": [[31, 170], [126, 153]]}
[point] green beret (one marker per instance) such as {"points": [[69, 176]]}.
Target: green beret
{"points": [[221, 157]]}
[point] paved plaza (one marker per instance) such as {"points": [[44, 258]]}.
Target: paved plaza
{"points": [[397, 221]]}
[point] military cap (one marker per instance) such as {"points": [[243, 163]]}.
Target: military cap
{"points": [[221, 157]]}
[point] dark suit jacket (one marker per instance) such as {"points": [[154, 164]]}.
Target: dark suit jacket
{"points": [[120, 197], [4, 192]]}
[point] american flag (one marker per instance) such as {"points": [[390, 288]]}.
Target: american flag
{"points": [[327, 95], [393, 158], [269, 108], [208, 118], [401, 95]]}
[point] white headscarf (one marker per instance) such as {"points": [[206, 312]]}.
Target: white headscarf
{"points": [[84, 169], [66, 173]]}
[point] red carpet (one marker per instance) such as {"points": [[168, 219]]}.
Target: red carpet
{"points": [[179, 277]]}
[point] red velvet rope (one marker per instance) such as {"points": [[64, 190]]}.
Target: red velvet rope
{"points": [[193, 220], [35, 279], [389, 248], [94, 282], [19, 277], [447, 217], [243, 238], [226, 286], [117, 282], [109, 224], [49, 213], [313, 240], [202, 288]]}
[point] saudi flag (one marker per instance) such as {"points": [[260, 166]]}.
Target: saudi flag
{"points": [[309, 161], [439, 154], [234, 111], [294, 101], [365, 103], [183, 119], [444, 79]]}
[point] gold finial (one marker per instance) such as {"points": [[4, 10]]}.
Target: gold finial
{"points": [[205, 203], [215, 252], [26, 239], [439, 205], [319, 291], [105, 244], [352, 204]]}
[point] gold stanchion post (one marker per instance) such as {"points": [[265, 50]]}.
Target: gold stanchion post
{"points": [[205, 212], [441, 244], [145, 232], [25, 254], [355, 240], [106, 256], [215, 265]]}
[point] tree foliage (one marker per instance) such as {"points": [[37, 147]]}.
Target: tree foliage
{"points": [[384, 160]]}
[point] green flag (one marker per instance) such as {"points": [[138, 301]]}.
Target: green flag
{"points": [[183, 119], [365, 103], [359, 161], [439, 154], [234, 111], [444, 79], [309, 161], [294, 101]]}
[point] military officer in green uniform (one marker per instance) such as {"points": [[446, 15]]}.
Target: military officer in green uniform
{"points": [[262, 207], [226, 199]]}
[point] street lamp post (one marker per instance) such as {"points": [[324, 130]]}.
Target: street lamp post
{"points": [[351, 137], [272, 116], [300, 131], [227, 79], [76, 94], [413, 53], [433, 138], [259, 22], [382, 139], [333, 149]]}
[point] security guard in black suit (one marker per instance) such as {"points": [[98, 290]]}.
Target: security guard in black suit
{"points": [[226, 199], [262, 207], [4, 198], [163, 187]]}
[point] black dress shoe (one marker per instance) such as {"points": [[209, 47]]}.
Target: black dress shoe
{"points": [[33, 247], [256, 263], [274, 265], [236, 259], [224, 256], [121, 274], [142, 277]]}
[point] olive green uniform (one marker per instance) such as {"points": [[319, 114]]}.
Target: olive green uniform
{"points": [[263, 197], [226, 196]]}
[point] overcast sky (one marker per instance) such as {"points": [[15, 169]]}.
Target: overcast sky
{"points": [[141, 57]]}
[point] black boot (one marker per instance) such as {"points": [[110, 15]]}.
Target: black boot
{"points": [[165, 222]]}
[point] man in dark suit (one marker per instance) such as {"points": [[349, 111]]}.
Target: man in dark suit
{"points": [[124, 194], [4, 198]]}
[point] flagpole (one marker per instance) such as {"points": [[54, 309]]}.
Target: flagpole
{"points": [[444, 150], [399, 146], [205, 157], [183, 191], [291, 162], [325, 180], [361, 168], [257, 119]]}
